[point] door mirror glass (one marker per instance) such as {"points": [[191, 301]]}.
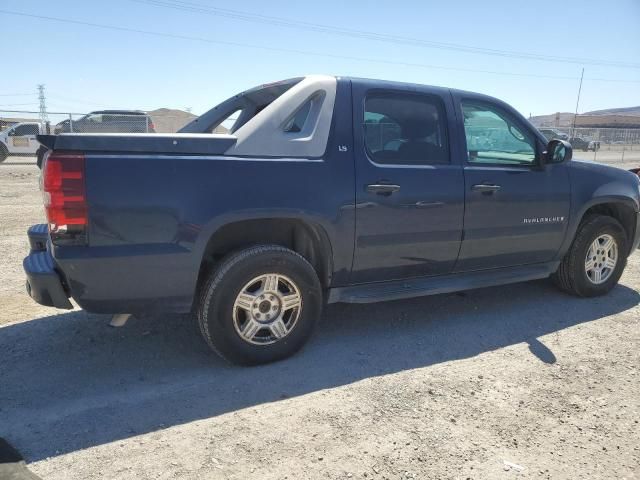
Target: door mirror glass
{"points": [[517, 134], [558, 151]]}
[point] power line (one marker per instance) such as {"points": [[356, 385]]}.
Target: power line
{"points": [[17, 104], [301, 52], [37, 111], [75, 100], [95, 107], [15, 94], [363, 34]]}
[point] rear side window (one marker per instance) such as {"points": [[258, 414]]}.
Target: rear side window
{"points": [[405, 129], [93, 117], [296, 124]]}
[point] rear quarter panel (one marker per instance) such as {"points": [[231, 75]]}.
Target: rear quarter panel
{"points": [[151, 216]]}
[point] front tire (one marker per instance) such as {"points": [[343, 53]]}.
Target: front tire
{"points": [[596, 259], [260, 305], [4, 153]]}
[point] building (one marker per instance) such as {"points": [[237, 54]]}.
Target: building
{"points": [[6, 122], [608, 121]]}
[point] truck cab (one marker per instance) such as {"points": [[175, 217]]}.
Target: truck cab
{"points": [[20, 139]]}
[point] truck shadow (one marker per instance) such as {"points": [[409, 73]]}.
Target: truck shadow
{"points": [[70, 382]]}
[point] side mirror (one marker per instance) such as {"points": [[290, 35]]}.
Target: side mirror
{"points": [[558, 151]]}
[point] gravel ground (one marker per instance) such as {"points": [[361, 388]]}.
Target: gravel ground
{"points": [[494, 383]]}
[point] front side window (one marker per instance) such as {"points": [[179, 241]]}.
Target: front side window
{"points": [[405, 129], [492, 138], [25, 130]]}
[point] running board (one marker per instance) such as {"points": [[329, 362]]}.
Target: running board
{"points": [[422, 286]]}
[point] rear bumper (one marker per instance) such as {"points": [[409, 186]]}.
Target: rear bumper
{"points": [[44, 284]]}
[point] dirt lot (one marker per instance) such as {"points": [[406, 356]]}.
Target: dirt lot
{"points": [[450, 386]]}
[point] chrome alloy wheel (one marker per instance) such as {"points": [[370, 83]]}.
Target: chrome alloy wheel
{"points": [[266, 309], [601, 259]]}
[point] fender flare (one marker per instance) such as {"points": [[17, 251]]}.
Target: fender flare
{"points": [[318, 225], [576, 221]]}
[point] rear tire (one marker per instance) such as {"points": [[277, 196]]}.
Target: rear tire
{"points": [[3, 153], [596, 259], [260, 305]]}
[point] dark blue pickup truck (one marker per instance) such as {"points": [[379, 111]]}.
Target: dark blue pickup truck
{"points": [[325, 189]]}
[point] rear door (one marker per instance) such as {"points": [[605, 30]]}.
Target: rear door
{"points": [[516, 210], [409, 192]]}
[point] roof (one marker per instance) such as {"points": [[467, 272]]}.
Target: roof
{"points": [[376, 83], [373, 83], [119, 112]]}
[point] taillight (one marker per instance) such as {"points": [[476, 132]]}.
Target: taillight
{"points": [[65, 202]]}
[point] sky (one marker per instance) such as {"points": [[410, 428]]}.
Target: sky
{"points": [[210, 50]]}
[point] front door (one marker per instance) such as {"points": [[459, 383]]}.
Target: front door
{"points": [[516, 211], [22, 139], [409, 194]]}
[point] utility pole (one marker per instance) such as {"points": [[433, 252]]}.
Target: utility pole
{"points": [[44, 118], [573, 130]]}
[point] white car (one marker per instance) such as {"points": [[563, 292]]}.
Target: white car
{"points": [[20, 139]]}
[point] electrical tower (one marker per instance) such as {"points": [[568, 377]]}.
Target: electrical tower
{"points": [[44, 118]]}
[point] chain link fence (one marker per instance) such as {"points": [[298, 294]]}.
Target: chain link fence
{"points": [[107, 121], [18, 129], [613, 146]]}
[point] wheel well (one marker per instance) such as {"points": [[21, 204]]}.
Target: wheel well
{"points": [[621, 212], [307, 239]]}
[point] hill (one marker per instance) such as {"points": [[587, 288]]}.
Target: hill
{"points": [[167, 120], [634, 111]]}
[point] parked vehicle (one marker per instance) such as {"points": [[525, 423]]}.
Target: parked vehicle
{"points": [[579, 143], [109, 121], [552, 133], [325, 190], [20, 140]]}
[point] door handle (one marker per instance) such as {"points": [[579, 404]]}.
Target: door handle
{"points": [[485, 187], [382, 188]]}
